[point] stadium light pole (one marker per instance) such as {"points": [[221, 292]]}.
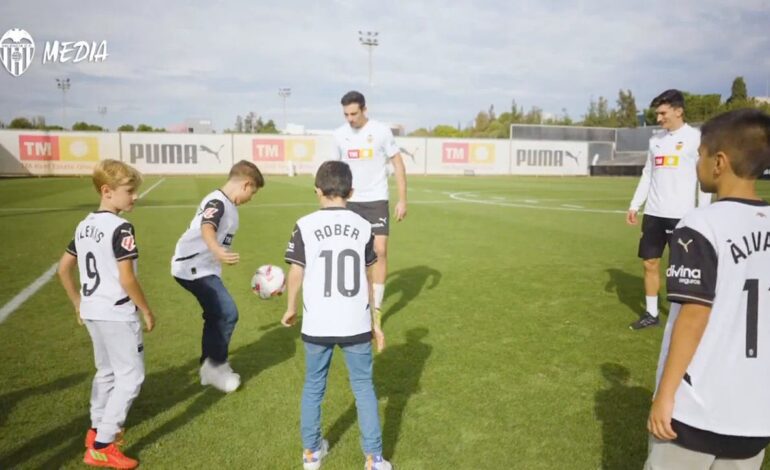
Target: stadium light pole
{"points": [[63, 84], [370, 40], [102, 110], [284, 93]]}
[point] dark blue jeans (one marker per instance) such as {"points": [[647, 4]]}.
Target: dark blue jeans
{"points": [[219, 315]]}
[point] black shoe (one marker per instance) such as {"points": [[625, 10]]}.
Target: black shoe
{"points": [[645, 321]]}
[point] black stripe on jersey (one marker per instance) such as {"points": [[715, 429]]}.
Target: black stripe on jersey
{"points": [[185, 258], [342, 340], [212, 213], [122, 301], [721, 445], [691, 276], [294, 261], [72, 249], [688, 379], [124, 243], [295, 249]]}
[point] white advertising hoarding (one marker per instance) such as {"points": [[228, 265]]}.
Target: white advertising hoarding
{"points": [[544, 157], [55, 153], [462, 156], [184, 154]]}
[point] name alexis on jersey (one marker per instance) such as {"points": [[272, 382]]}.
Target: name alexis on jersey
{"points": [[748, 245], [89, 231], [685, 275], [336, 230]]}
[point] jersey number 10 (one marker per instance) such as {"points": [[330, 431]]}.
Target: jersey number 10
{"points": [[328, 257]]}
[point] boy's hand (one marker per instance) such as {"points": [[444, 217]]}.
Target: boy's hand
{"points": [[227, 257], [379, 338], [659, 422], [289, 318], [149, 321], [400, 211]]}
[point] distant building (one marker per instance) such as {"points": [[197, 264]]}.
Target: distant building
{"points": [[192, 126]]}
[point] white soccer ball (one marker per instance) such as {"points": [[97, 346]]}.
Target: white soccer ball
{"points": [[268, 281]]}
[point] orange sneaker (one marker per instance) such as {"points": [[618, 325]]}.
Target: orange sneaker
{"points": [[91, 438], [110, 457]]}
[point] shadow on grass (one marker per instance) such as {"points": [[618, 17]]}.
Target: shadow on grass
{"points": [[628, 287], [161, 391], [408, 282], [622, 409], [61, 435], [397, 372]]}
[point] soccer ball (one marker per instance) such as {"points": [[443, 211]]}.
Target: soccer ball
{"points": [[268, 281]]}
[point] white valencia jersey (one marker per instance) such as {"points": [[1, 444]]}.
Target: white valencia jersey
{"points": [[102, 240], [334, 245], [192, 258], [367, 150], [720, 257], [669, 179]]}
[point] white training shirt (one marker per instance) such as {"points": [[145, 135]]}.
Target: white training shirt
{"points": [[367, 150], [192, 258], [720, 257], [669, 179], [101, 240], [334, 245]]}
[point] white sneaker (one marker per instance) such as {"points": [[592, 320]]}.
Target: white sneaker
{"points": [[376, 462], [311, 460], [220, 376]]}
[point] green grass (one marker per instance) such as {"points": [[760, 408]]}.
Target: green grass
{"points": [[506, 320]]}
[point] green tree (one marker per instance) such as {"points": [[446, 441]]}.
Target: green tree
{"points": [[268, 128], [739, 92], [126, 128], [421, 132], [84, 126], [144, 128], [445, 130], [21, 123], [626, 114]]}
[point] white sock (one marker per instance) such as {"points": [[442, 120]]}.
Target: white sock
{"points": [[379, 293], [652, 305]]}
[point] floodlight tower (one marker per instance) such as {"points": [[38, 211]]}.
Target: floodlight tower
{"points": [[284, 93], [370, 40], [64, 85]]}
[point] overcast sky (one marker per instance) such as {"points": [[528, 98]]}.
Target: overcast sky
{"points": [[437, 62]]}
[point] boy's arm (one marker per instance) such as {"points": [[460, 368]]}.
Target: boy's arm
{"points": [[130, 284], [209, 234], [685, 337], [293, 284], [642, 190], [67, 263]]}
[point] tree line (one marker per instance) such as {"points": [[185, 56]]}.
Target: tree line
{"points": [[698, 108]]}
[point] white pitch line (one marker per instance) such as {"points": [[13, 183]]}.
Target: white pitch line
{"points": [[31, 289], [573, 206], [152, 187], [28, 292], [464, 197]]}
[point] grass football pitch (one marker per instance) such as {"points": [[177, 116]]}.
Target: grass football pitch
{"points": [[506, 314]]}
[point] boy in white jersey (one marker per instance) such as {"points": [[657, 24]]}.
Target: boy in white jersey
{"points": [[105, 252], [331, 252], [197, 266], [711, 409], [367, 146], [668, 185]]}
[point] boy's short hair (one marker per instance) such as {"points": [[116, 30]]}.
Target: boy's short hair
{"points": [[353, 97], [246, 169], [334, 179], [673, 98], [744, 135], [115, 173]]}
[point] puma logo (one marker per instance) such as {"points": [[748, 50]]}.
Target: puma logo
{"points": [[574, 157], [203, 148], [685, 245]]}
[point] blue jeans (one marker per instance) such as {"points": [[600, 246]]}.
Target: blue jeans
{"points": [[219, 315], [358, 358]]}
